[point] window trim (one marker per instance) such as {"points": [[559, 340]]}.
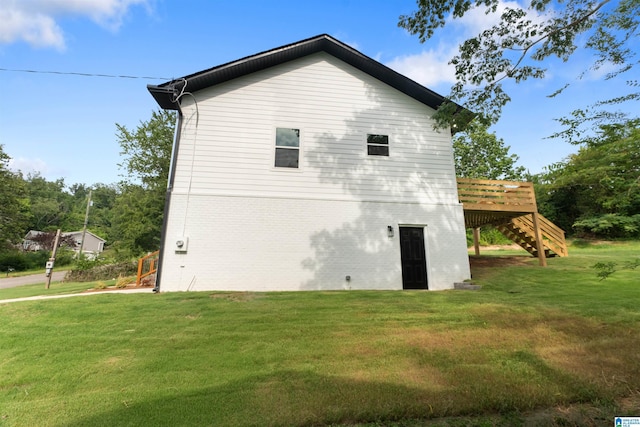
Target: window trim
{"points": [[274, 148], [373, 144]]}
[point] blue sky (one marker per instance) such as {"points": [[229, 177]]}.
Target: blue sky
{"points": [[63, 125]]}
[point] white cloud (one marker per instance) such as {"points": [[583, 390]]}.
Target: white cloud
{"points": [[29, 166], [477, 20], [429, 68], [34, 21]]}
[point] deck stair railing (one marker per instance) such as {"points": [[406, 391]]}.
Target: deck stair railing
{"points": [[511, 207], [147, 266], [521, 231]]}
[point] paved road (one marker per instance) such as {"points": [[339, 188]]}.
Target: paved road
{"points": [[84, 294], [12, 282]]}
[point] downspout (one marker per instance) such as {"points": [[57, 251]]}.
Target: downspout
{"points": [[167, 200]]}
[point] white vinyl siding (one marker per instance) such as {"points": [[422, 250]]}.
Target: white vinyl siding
{"points": [[337, 106]]}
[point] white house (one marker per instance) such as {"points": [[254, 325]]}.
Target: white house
{"points": [[309, 166]]}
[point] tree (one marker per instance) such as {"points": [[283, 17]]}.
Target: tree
{"points": [[598, 189], [147, 150], [14, 206], [103, 198], [46, 240], [516, 48], [480, 154], [138, 209], [50, 205]]}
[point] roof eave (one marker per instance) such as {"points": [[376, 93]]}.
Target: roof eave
{"points": [[166, 94]]}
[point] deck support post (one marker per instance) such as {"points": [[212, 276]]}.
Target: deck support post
{"points": [[539, 243], [476, 240]]}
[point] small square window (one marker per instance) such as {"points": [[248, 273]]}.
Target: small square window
{"points": [[287, 148], [378, 145]]}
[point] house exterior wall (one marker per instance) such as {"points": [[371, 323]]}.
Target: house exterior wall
{"points": [[251, 226], [92, 243], [266, 243]]}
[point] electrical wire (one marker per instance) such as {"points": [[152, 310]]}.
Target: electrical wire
{"points": [[70, 73], [176, 97]]}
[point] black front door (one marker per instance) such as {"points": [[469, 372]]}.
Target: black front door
{"points": [[414, 262]]}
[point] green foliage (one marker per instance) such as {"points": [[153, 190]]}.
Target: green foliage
{"points": [[137, 220], [103, 198], [488, 236], [14, 206], [606, 269], [609, 226], [138, 211], [84, 263], [597, 189], [147, 150], [21, 261], [50, 205], [481, 154], [516, 48], [102, 271]]}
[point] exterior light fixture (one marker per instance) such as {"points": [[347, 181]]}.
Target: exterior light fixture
{"points": [[389, 231]]}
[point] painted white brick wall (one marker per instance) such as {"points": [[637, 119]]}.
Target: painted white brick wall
{"points": [[281, 244], [251, 226]]}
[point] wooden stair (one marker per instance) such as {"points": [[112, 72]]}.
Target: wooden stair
{"points": [[511, 207], [521, 230]]}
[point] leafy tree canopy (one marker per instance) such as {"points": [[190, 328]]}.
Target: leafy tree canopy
{"points": [[481, 154], [516, 48], [138, 212], [599, 186], [14, 206], [50, 204], [147, 150]]}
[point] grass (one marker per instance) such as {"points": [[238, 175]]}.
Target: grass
{"points": [[551, 344], [56, 288]]}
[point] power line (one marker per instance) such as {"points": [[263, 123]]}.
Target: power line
{"points": [[69, 73]]}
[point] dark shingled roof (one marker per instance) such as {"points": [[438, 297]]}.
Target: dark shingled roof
{"points": [[166, 93]]}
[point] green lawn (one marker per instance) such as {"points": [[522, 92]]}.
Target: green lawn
{"points": [[532, 340]]}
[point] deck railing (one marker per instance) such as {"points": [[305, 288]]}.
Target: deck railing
{"points": [[492, 195], [147, 266]]}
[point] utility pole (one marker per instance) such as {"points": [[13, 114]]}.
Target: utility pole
{"points": [[52, 260], [84, 228]]}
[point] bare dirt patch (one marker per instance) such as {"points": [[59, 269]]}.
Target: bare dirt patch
{"points": [[234, 296], [500, 260]]}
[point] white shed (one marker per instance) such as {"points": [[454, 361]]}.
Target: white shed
{"points": [[309, 166]]}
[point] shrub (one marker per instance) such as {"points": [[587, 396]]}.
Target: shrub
{"points": [[609, 225], [103, 272], [21, 261], [123, 281], [13, 260], [84, 263], [488, 236]]}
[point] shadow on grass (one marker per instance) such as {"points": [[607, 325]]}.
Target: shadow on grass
{"points": [[282, 398], [299, 398]]}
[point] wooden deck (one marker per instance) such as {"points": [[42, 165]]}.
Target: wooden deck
{"points": [[510, 206]]}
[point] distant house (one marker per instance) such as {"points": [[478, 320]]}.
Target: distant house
{"points": [[28, 244], [309, 166], [93, 245]]}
